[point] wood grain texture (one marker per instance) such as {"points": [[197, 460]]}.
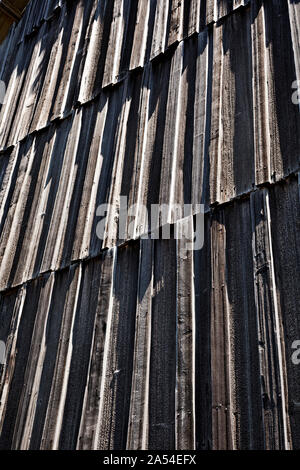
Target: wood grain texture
{"points": [[132, 342]]}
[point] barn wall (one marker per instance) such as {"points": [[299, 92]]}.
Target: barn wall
{"points": [[135, 343]]}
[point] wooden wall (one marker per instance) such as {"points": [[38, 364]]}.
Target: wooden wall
{"points": [[140, 343]]}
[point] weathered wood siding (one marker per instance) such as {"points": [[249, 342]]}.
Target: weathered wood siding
{"points": [[141, 344]]}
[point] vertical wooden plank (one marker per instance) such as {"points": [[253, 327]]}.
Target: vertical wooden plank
{"points": [[12, 225], [275, 419], [72, 41], [115, 391], [154, 104], [141, 168], [216, 128], [114, 49], [163, 348], [202, 98], [170, 187], [210, 14], [75, 196], [245, 379], [15, 86], [232, 166], [90, 315], [141, 31], [52, 65], [285, 216], [160, 28], [185, 337], [284, 124], [95, 58], [203, 318], [34, 211], [130, 173], [23, 327], [95, 166], [107, 156], [112, 222], [12, 307], [191, 17], [61, 206], [90, 409], [28, 400], [138, 429], [54, 152], [57, 398], [294, 18], [260, 98], [221, 358], [175, 26]]}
